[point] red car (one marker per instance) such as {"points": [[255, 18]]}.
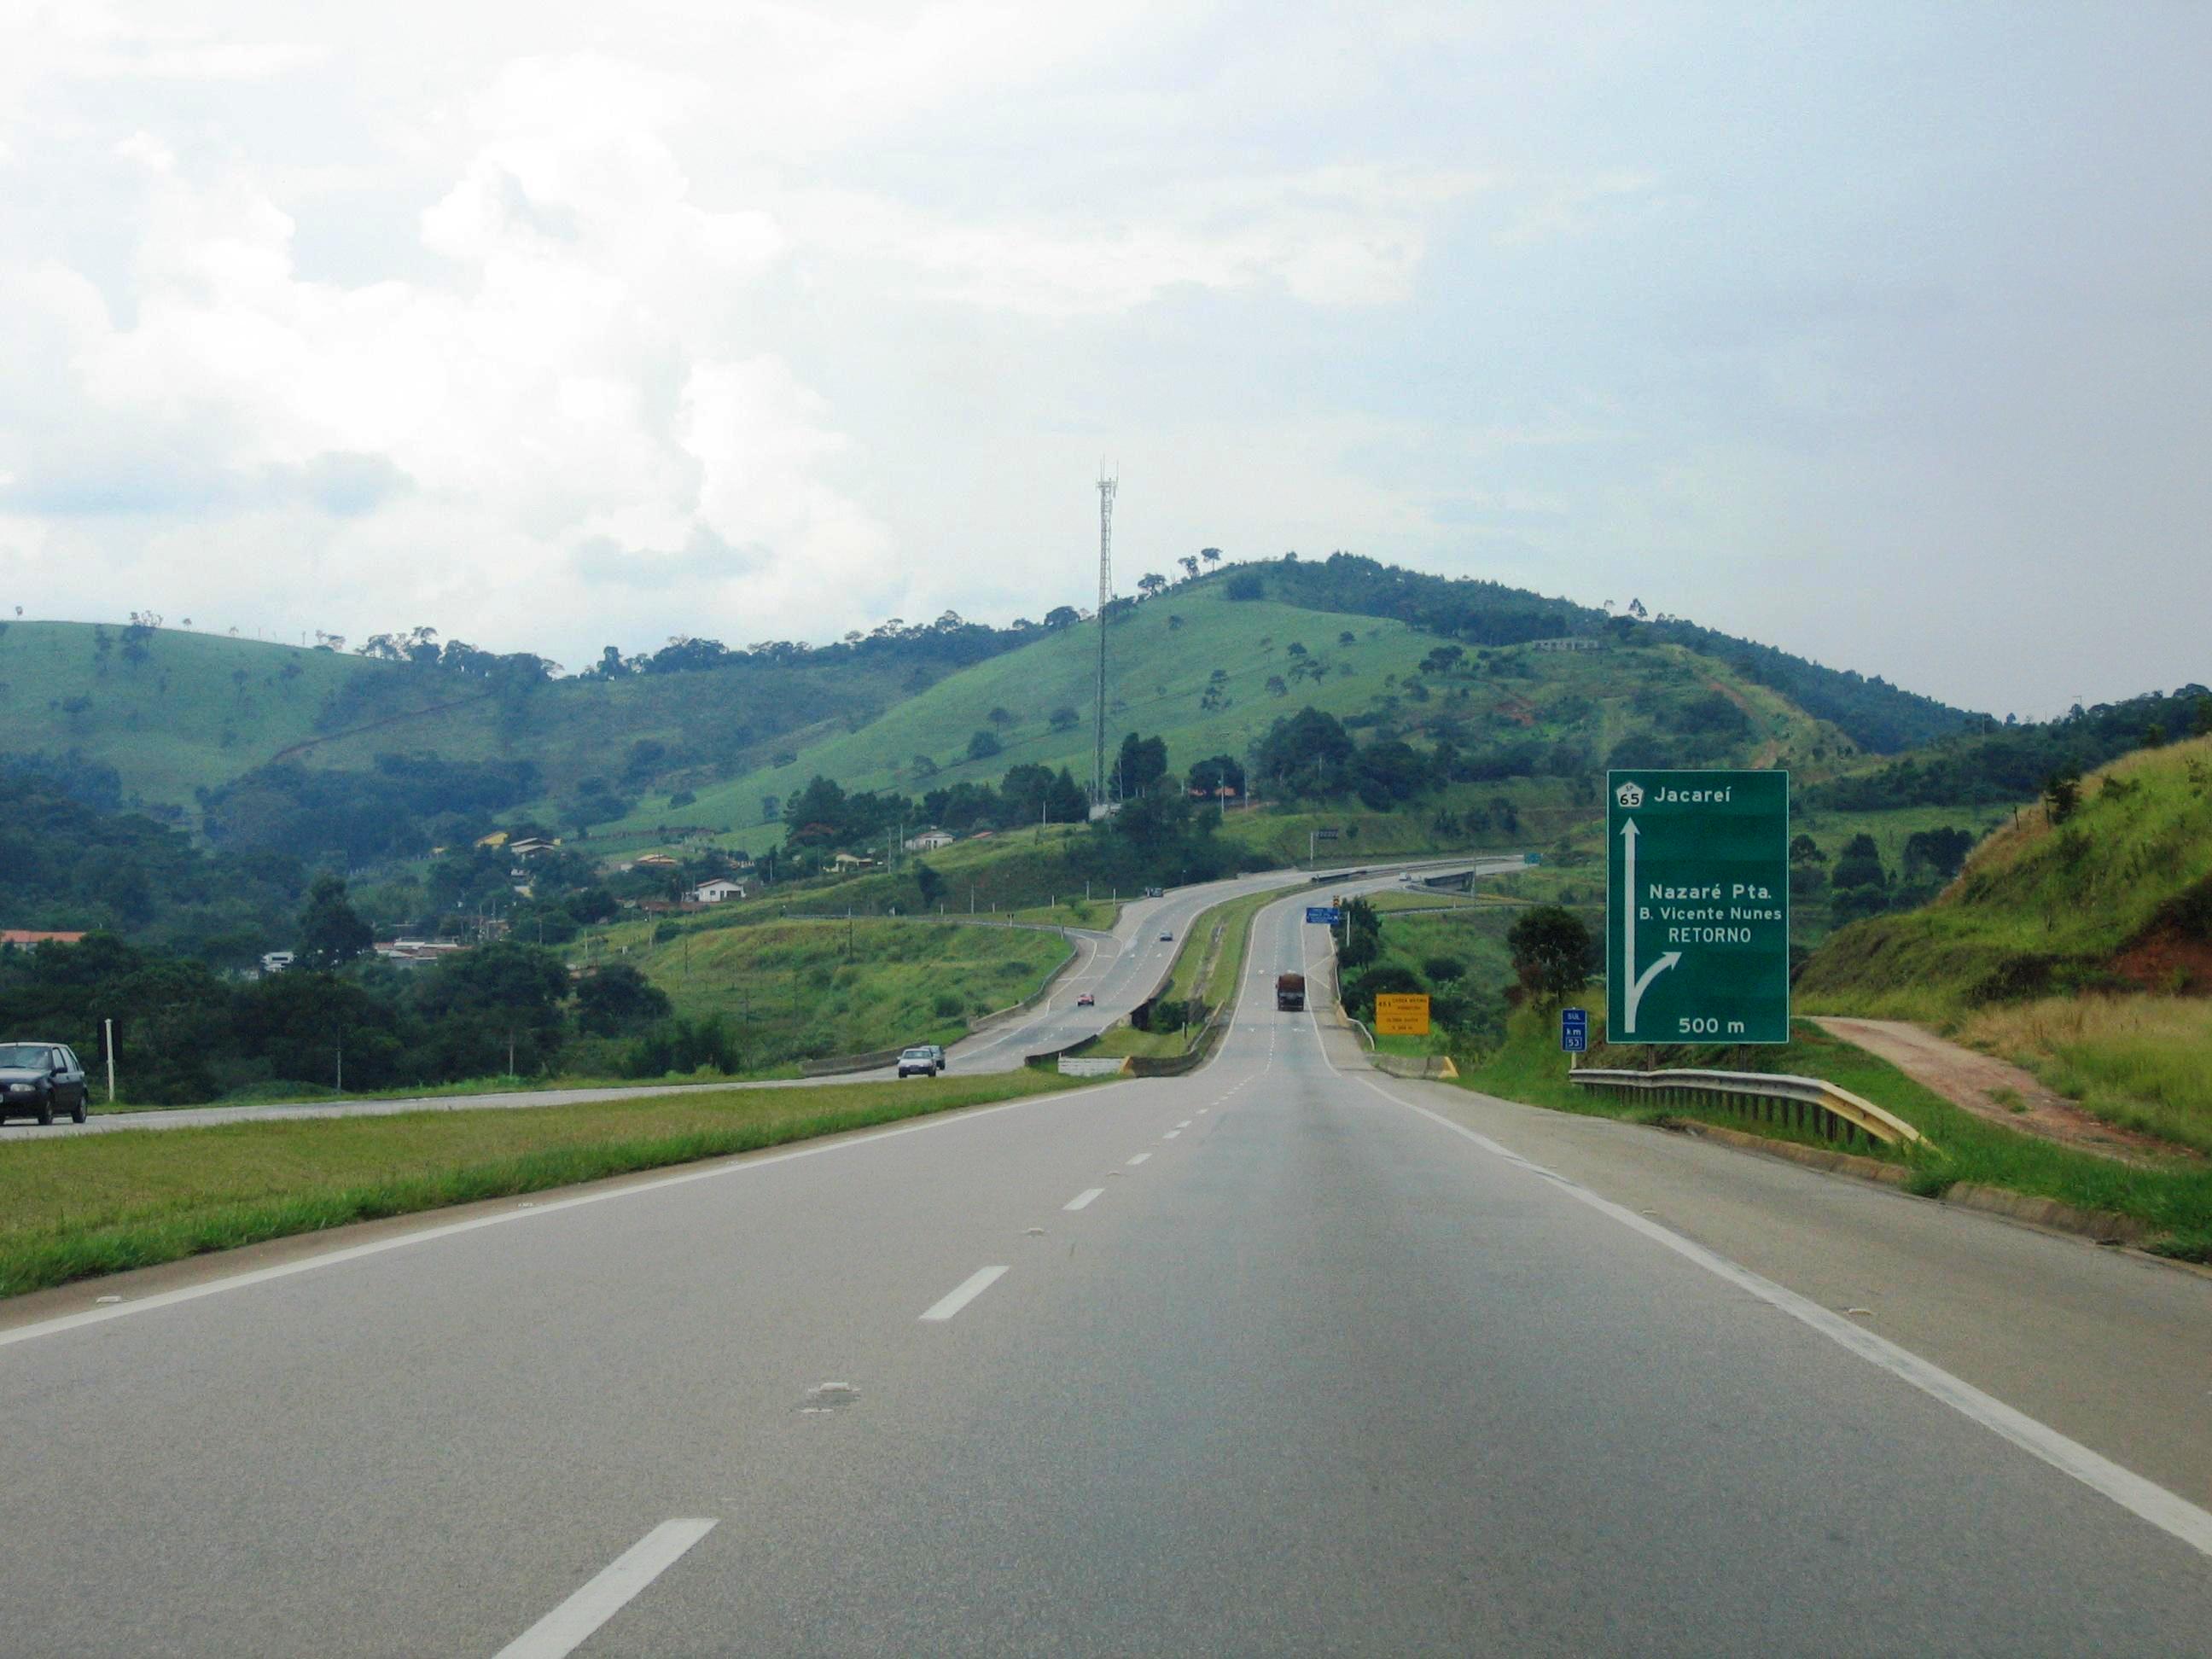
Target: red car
{"points": [[1086, 1000]]}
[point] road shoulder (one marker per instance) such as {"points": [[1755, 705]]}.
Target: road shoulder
{"points": [[2107, 1346]]}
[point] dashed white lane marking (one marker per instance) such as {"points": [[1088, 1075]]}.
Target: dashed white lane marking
{"points": [[1139, 1157], [1082, 1200], [1170, 1134], [717, 1171], [1185, 1124], [970, 1287], [571, 1624]]}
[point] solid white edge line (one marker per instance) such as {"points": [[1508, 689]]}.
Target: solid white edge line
{"points": [[968, 1289], [1082, 1200], [734, 1163], [570, 1625], [2145, 1500], [1139, 1157]]}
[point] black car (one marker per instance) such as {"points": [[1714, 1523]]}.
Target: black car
{"points": [[38, 1080]]}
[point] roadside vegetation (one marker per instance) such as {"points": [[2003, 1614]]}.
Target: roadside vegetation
{"points": [[2143, 1062], [2173, 1196], [77, 1206], [808, 990], [2077, 942]]}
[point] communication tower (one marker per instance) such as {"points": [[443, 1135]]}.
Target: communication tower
{"points": [[1107, 484]]}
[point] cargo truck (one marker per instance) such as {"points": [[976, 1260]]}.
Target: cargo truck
{"points": [[1291, 992]]}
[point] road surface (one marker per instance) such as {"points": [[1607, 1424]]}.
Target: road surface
{"points": [[1282, 1357]]}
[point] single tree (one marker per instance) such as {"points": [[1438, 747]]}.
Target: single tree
{"points": [[1151, 583], [1551, 951], [616, 999], [928, 882], [332, 933], [2061, 794]]}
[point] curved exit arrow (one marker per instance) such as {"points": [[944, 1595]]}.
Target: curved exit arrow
{"points": [[1637, 983]]}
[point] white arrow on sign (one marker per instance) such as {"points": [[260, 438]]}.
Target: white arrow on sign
{"points": [[1637, 984]]}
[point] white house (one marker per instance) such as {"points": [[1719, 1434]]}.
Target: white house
{"points": [[276, 961], [714, 891], [929, 840]]}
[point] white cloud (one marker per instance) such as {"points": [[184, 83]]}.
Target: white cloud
{"points": [[1335, 236], [582, 375]]}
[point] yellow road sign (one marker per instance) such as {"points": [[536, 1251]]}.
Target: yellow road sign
{"points": [[1399, 1013]]}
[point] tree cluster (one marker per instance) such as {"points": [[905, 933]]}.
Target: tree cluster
{"points": [[185, 1033]]}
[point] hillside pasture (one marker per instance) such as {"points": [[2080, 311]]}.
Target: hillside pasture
{"points": [[805, 990]]}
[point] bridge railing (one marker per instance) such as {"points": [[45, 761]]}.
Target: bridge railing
{"points": [[1808, 1104]]}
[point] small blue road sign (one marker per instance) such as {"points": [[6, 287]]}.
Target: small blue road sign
{"points": [[1323, 915], [1574, 1031]]}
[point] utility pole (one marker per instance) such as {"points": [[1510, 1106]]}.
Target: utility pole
{"points": [[108, 1027], [1107, 487]]}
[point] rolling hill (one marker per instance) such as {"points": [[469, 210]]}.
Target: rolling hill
{"points": [[229, 737], [1210, 674], [2118, 895]]}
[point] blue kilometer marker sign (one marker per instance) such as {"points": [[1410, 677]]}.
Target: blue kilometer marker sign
{"points": [[1574, 1031], [1697, 946]]}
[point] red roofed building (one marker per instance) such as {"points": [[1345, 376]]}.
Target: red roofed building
{"points": [[24, 938]]}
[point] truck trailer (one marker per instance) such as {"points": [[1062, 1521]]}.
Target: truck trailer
{"points": [[1291, 992]]}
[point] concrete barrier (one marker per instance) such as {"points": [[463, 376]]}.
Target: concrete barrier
{"points": [[1438, 1066], [837, 1065], [1101, 1066]]}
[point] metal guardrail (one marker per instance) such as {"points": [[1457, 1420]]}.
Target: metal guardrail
{"points": [[1809, 1103]]}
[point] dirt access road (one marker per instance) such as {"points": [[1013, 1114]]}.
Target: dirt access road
{"points": [[1972, 1081]]}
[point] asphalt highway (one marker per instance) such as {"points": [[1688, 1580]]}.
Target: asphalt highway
{"points": [[1283, 1357]]}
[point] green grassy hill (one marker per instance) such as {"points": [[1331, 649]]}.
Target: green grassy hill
{"points": [[1544, 715], [2120, 894], [805, 990], [176, 712], [193, 711], [173, 713]]}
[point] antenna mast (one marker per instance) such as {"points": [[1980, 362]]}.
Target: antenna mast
{"points": [[1107, 486]]}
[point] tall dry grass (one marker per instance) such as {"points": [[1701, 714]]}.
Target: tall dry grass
{"points": [[2144, 1062]]}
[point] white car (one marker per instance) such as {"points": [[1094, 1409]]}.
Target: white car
{"points": [[924, 1060]]}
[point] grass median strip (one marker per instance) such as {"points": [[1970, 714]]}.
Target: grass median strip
{"points": [[1201, 972], [79, 1206]]}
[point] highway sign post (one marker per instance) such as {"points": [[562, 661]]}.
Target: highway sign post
{"points": [[1574, 1031], [1697, 946], [1323, 915]]}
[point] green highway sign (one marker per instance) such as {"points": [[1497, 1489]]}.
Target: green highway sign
{"points": [[1697, 946]]}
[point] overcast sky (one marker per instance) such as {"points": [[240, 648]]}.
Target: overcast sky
{"points": [[1877, 332]]}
